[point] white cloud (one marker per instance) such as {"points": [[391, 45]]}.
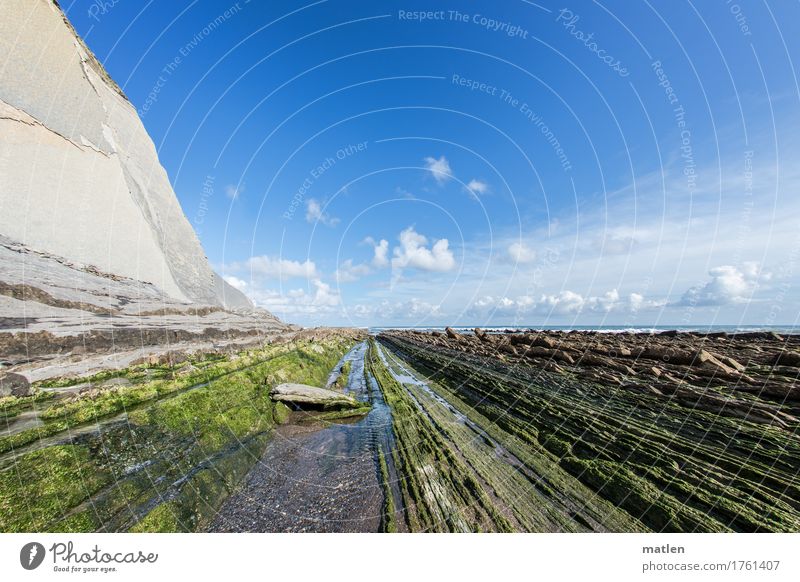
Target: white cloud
{"points": [[381, 259], [233, 192], [521, 253], [414, 253], [413, 309], [616, 244], [297, 302], [439, 168], [348, 272], [281, 268], [728, 285], [236, 283], [476, 186], [324, 296], [563, 303], [314, 213]]}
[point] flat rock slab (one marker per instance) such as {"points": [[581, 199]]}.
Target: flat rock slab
{"points": [[304, 395]]}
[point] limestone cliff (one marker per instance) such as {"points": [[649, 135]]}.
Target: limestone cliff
{"points": [[79, 176]]}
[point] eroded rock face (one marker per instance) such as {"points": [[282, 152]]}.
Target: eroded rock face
{"points": [[80, 177]]}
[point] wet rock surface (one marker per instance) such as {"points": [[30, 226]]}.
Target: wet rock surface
{"points": [[317, 475], [156, 447], [682, 431], [311, 478]]}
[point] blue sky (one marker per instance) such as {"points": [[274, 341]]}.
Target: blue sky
{"points": [[491, 163]]}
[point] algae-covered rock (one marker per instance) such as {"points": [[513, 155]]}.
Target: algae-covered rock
{"points": [[281, 413]]}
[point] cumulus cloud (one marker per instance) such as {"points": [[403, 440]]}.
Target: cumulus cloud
{"points": [[519, 252], [320, 300], [414, 253], [563, 303], [233, 192], [411, 310], [440, 168], [728, 285], [349, 272], [314, 213], [324, 295], [380, 258], [278, 268], [236, 283], [476, 187]]}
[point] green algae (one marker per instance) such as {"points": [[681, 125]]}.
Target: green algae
{"points": [[162, 519], [388, 521], [441, 493], [281, 413], [344, 376], [183, 446], [44, 485], [669, 467]]}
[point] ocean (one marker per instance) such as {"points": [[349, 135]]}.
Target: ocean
{"points": [[711, 328]]}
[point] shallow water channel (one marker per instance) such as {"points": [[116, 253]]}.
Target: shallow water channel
{"points": [[321, 476]]}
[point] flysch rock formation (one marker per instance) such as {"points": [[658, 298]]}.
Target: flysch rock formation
{"points": [[93, 238]]}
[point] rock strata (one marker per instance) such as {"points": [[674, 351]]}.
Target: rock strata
{"points": [[96, 254], [73, 149], [683, 431]]}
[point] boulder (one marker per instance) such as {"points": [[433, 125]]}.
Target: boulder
{"points": [[787, 358], [173, 358], [305, 396], [509, 349], [706, 363], [451, 333], [14, 385], [542, 341], [731, 362], [668, 355], [560, 355]]}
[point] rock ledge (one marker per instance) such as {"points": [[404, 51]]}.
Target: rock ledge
{"points": [[306, 396]]}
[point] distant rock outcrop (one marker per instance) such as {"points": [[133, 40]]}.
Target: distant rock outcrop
{"points": [[79, 176]]}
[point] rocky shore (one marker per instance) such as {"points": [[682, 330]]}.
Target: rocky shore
{"points": [[155, 446], [682, 431], [715, 371]]}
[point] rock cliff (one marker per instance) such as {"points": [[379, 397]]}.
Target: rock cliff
{"points": [[99, 266], [79, 176]]}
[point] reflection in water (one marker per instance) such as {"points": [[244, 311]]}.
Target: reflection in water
{"points": [[318, 476]]}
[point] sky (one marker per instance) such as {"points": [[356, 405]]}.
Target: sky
{"points": [[479, 163]]}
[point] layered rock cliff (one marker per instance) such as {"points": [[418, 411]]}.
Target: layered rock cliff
{"points": [[97, 261], [79, 176]]}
